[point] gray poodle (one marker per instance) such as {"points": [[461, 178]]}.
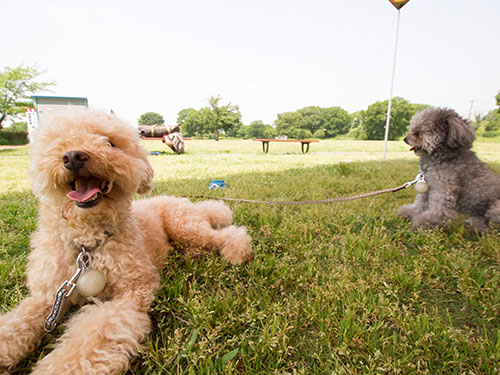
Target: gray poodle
{"points": [[458, 181]]}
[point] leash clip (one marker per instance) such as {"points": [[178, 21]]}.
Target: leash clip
{"points": [[418, 178]]}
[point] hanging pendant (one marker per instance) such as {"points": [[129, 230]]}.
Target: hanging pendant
{"points": [[91, 283], [421, 187], [88, 281]]}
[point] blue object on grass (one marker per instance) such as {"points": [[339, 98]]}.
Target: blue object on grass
{"points": [[216, 184]]}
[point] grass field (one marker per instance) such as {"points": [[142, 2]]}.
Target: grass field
{"points": [[344, 288]]}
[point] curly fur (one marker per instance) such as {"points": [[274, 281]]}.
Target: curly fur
{"points": [[458, 181], [129, 241]]}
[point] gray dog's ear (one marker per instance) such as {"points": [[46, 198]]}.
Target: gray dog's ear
{"points": [[460, 134]]}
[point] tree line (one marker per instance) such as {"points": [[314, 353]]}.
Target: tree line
{"points": [[315, 122], [216, 119], [212, 119], [488, 126], [307, 122]]}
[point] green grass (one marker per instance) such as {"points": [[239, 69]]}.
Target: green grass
{"points": [[344, 288]]}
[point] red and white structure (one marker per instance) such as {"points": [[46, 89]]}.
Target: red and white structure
{"points": [[31, 120]]}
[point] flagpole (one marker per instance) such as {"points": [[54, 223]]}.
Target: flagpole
{"points": [[388, 121]]}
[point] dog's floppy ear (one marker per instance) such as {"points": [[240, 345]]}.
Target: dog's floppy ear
{"points": [[460, 134], [146, 179]]}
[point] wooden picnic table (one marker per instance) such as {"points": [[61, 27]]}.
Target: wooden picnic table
{"points": [[304, 143]]}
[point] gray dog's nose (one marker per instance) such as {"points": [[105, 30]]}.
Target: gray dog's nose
{"points": [[74, 160]]}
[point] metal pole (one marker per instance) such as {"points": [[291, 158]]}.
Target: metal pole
{"points": [[388, 122]]}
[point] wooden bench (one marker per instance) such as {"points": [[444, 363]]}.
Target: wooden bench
{"points": [[303, 142]]}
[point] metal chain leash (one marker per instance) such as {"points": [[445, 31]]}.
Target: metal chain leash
{"points": [[66, 289]]}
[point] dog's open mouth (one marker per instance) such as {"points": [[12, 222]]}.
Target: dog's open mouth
{"points": [[88, 191]]}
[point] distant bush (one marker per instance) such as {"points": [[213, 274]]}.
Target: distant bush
{"points": [[489, 126], [13, 137], [257, 129], [320, 133], [358, 133], [151, 118], [300, 134], [19, 126]]}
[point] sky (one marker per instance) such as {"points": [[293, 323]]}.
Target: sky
{"points": [[266, 56]]}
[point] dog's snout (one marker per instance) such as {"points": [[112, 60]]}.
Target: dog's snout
{"points": [[406, 140], [74, 160]]}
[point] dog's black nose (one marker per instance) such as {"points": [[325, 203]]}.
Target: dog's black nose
{"points": [[74, 160], [406, 140]]}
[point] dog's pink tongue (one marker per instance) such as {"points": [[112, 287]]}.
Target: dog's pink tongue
{"points": [[86, 189]]}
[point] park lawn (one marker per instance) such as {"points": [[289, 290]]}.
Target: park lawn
{"points": [[343, 288], [207, 159]]}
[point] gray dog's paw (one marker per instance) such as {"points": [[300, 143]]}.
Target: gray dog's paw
{"points": [[406, 211], [477, 225]]}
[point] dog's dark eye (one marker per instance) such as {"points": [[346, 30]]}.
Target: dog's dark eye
{"points": [[110, 144]]}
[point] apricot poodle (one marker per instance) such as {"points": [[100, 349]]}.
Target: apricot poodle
{"points": [[86, 167], [458, 181]]}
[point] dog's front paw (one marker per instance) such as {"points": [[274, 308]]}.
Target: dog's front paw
{"points": [[477, 225], [425, 220], [406, 211], [430, 219], [418, 224], [237, 245]]}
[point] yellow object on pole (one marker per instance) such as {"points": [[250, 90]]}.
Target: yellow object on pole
{"points": [[399, 3]]}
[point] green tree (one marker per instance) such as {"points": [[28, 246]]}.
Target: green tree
{"points": [[257, 129], [181, 121], [269, 132], [498, 101], [243, 132], [183, 114], [208, 120], [235, 129], [217, 118], [16, 87], [374, 119], [311, 119], [331, 121], [287, 122], [151, 118], [193, 124], [336, 121]]}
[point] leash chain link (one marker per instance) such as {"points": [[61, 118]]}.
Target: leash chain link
{"points": [[67, 288]]}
